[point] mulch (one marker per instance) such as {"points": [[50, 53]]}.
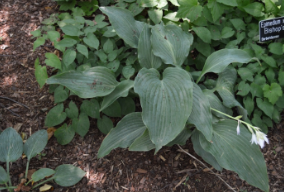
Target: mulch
{"points": [[121, 170]]}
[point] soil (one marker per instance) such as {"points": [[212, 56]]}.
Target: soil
{"points": [[121, 170]]}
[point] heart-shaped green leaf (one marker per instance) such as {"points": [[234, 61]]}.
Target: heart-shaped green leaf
{"points": [[55, 116], [145, 53], [69, 57], [72, 112], [235, 152], [201, 115], [64, 134], [35, 144], [81, 125], [121, 90], [41, 174], [126, 131], [90, 108], [219, 60], [171, 43], [11, 145], [114, 110], [166, 103], [124, 24], [105, 124], [93, 82], [68, 175], [265, 106], [40, 73], [4, 178]]}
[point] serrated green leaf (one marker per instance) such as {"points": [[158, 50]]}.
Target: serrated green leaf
{"points": [[203, 33], [81, 125], [189, 9], [35, 144], [270, 75], [201, 115], [94, 82], [55, 116], [276, 48], [121, 90], [239, 24], [36, 33], [171, 44], [216, 9], [11, 145], [64, 134], [246, 74], [52, 60], [68, 175], [40, 73], [126, 131], [254, 9], [249, 104], [53, 35], [256, 90], [108, 46], [39, 41], [162, 96], [82, 49], [227, 32], [265, 106], [219, 60], [124, 24], [272, 92], [92, 41], [105, 124], [269, 60], [71, 30], [270, 7], [72, 112], [69, 57], [67, 42], [236, 153], [232, 3], [146, 56], [41, 174], [206, 156], [90, 108]]}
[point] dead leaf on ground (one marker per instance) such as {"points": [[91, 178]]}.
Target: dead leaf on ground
{"points": [[30, 172], [46, 187], [50, 132], [18, 126], [141, 170]]}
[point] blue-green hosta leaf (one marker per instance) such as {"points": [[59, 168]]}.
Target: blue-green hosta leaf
{"points": [[145, 53], [225, 86], [182, 137], [126, 131], [11, 145], [235, 152], [215, 103], [68, 175], [219, 60], [64, 134], [156, 15], [4, 178], [35, 144], [166, 103], [171, 43], [94, 82], [142, 143], [55, 116], [201, 115], [189, 9], [105, 124], [206, 156], [121, 90], [41, 174], [124, 24]]}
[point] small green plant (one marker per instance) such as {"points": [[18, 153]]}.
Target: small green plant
{"points": [[12, 148]]}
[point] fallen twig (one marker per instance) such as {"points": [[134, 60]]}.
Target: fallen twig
{"points": [[9, 110], [1, 97], [182, 150]]}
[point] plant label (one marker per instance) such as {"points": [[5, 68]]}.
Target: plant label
{"points": [[271, 29]]}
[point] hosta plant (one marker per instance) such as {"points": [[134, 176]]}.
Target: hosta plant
{"points": [[175, 105], [12, 148]]}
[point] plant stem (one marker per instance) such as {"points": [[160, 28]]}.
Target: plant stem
{"points": [[43, 182], [8, 172], [27, 169]]}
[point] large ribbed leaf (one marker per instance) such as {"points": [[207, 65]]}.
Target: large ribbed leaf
{"points": [[145, 53], [124, 24], [166, 102], [225, 88], [201, 115], [235, 152], [142, 143], [35, 144], [11, 145], [93, 82], [171, 43], [125, 132], [121, 90], [206, 156], [219, 60]]}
